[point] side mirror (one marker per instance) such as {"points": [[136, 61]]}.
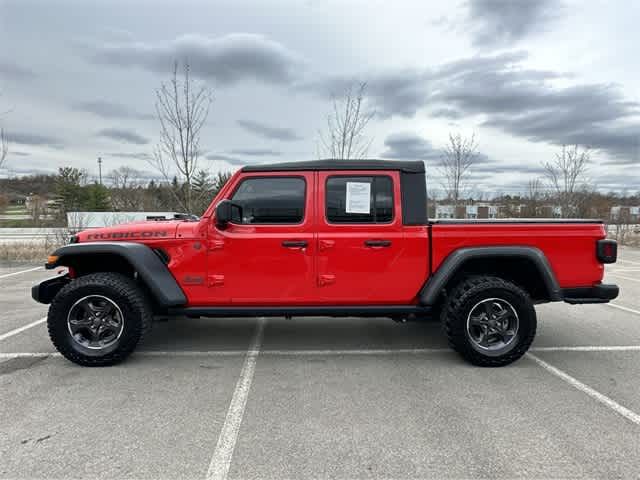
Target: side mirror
{"points": [[223, 213], [227, 211]]}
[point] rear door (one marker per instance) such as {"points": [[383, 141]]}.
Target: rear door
{"points": [[361, 247]]}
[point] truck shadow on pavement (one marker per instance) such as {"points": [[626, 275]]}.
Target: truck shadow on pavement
{"points": [[317, 333]]}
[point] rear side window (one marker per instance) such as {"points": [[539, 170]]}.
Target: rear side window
{"points": [[269, 200], [359, 199]]}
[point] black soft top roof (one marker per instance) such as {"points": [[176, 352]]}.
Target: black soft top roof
{"points": [[331, 164]]}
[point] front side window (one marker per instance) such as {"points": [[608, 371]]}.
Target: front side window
{"points": [[269, 200], [366, 199]]}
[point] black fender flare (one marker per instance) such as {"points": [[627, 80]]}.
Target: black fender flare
{"points": [[148, 265], [433, 287]]}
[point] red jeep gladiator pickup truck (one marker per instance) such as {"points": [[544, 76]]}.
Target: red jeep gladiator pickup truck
{"points": [[324, 238]]}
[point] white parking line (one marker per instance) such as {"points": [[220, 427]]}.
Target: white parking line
{"points": [[22, 329], [176, 353], [22, 271], [627, 261], [263, 353], [577, 384], [222, 455], [622, 276], [11, 356], [620, 307], [589, 348]]}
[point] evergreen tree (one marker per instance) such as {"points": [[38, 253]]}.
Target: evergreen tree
{"points": [[219, 181], [96, 198], [69, 191], [201, 191]]}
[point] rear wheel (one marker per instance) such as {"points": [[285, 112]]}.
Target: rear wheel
{"points": [[98, 319], [491, 322]]}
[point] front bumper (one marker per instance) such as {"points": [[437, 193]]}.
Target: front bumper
{"points": [[602, 293], [44, 291]]}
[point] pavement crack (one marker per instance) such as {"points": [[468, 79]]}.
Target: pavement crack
{"points": [[17, 364], [42, 439]]}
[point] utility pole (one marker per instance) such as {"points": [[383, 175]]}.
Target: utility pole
{"points": [[100, 169]]}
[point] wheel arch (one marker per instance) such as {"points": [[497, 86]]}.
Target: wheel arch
{"points": [[525, 266], [131, 259]]}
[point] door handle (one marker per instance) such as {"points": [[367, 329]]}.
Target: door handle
{"points": [[295, 244], [377, 243]]}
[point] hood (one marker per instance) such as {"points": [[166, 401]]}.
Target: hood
{"points": [[136, 231]]}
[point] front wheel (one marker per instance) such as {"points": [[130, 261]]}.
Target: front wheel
{"points": [[98, 319], [491, 322]]}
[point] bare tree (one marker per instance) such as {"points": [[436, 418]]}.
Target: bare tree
{"points": [[182, 107], [36, 207], [127, 192], [125, 177], [620, 220], [344, 138], [4, 143], [533, 196], [4, 147], [566, 175], [455, 164]]}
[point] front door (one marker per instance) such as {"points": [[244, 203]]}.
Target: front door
{"points": [[361, 248], [266, 254]]}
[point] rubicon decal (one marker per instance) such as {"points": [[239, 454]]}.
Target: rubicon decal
{"points": [[128, 235]]}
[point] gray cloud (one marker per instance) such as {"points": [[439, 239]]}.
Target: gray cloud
{"points": [[34, 140], [398, 92], [15, 72], [524, 103], [505, 95], [106, 109], [226, 158], [503, 22], [409, 146], [227, 59], [497, 168], [404, 92], [134, 155], [445, 112], [122, 135], [268, 131], [257, 152], [618, 181], [602, 182], [30, 170]]}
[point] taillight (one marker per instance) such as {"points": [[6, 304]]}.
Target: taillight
{"points": [[607, 251]]}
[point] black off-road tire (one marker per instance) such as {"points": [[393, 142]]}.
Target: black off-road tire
{"points": [[123, 291], [457, 309]]}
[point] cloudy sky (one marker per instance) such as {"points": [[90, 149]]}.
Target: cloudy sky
{"points": [[77, 80]]}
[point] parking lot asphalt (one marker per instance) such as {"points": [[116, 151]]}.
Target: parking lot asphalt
{"points": [[324, 398]]}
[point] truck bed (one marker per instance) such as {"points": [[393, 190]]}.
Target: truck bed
{"points": [[565, 243], [444, 221]]}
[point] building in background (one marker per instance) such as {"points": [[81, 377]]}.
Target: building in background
{"points": [[475, 211], [626, 213]]}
